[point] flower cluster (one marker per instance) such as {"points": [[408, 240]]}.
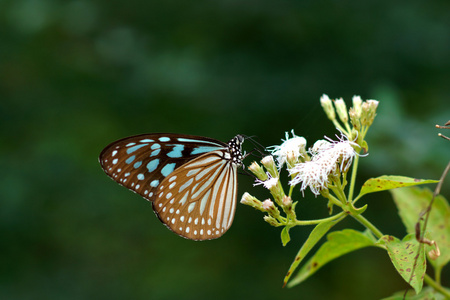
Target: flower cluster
{"points": [[322, 167]]}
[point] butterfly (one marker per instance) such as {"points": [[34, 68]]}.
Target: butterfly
{"points": [[190, 180]]}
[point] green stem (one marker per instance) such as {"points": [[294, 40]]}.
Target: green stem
{"points": [[368, 225], [313, 222], [334, 200], [437, 274], [353, 179], [436, 286]]}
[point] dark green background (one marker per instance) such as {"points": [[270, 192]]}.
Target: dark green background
{"points": [[76, 75]]}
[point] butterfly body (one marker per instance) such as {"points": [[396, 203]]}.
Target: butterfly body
{"points": [[190, 180]]}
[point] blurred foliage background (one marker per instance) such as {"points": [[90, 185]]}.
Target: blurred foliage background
{"points": [[77, 75]]}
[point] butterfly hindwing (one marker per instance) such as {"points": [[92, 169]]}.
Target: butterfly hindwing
{"points": [[197, 200]]}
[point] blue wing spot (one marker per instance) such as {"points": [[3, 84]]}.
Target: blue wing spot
{"points": [[130, 159], [146, 141], [164, 139], [134, 148], [204, 149], [137, 164], [140, 176], [154, 183], [155, 152], [155, 146], [152, 165], [168, 169], [176, 151]]}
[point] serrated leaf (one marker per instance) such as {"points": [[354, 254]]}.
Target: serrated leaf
{"points": [[316, 234], [403, 256], [338, 243], [384, 183], [285, 238], [411, 202]]}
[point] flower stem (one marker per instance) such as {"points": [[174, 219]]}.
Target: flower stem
{"points": [[353, 179], [313, 222], [436, 286], [368, 225]]}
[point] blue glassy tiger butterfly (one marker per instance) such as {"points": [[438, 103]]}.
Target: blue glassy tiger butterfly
{"points": [[190, 180]]}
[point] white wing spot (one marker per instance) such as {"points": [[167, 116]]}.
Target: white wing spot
{"points": [[172, 185], [209, 231], [168, 195], [192, 172], [115, 160], [182, 218], [209, 221], [114, 153], [187, 229], [173, 220], [191, 207], [195, 232], [171, 210], [160, 204], [172, 178], [203, 221], [196, 221], [190, 220], [201, 231], [137, 186], [177, 212]]}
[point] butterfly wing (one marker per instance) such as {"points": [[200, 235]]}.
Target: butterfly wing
{"points": [[198, 199], [142, 162]]}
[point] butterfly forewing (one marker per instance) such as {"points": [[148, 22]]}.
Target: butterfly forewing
{"points": [[190, 180], [198, 199], [140, 163]]}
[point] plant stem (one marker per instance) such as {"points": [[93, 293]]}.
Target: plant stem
{"points": [[436, 286], [353, 179], [313, 222], [437, 274], [368, 225]]}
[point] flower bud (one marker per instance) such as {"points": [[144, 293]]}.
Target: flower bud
{"points": [[249, 200], [258, 171], [341, 110], [327, 106], [270, 166], [271, 220], [269, 207]]}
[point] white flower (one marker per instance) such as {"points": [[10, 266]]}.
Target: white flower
{"points": [[326, 157], [292, 147], [269, 183], [312, 174], [319, 146]]}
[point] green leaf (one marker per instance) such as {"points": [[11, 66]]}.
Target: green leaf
{"points": [[427, 293], [316, 234], [403, 254], [285, 238], [338, 243], [411, 202], [383, 183]]}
